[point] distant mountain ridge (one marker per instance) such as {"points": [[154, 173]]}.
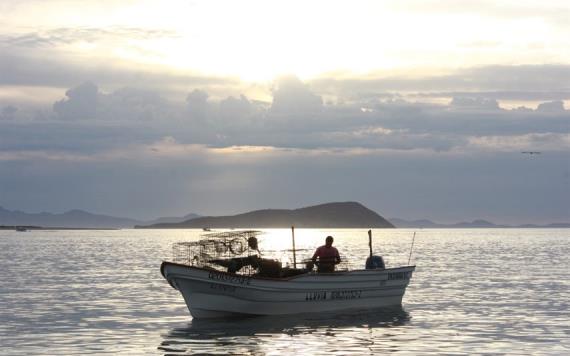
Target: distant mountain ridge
{"points": [[329, 215], [83, 219], [172, 219], [428, 224], [76, 219]]}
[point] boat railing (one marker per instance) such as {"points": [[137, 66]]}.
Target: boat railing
{"points": [[237, 252], [307, 263]]}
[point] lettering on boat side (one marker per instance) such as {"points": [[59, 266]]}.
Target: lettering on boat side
{"points": [[223, 287], [346, 294], [333, 295], [236, 279], [314, 296], [399, 275]]}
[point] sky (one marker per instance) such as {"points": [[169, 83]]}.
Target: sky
{"points": [[416, 109]]}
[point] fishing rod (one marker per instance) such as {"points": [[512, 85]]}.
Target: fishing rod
{"points": [[412, 247]]}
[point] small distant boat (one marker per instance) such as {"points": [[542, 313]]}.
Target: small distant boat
{"points": [[206, 229], [251, 285], [21, 229]]}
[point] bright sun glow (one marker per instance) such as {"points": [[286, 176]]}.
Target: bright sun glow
{"points": [[273, 40], [260, 40]]}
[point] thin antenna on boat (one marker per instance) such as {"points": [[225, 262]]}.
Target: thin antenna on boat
{"points": [[294, 254], [370, 241], [412, 248]]}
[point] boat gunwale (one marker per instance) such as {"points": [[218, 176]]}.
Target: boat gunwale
{"points": [[284, 279]]}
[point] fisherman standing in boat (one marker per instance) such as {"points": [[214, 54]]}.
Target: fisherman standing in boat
{"points": [[328, 256]]}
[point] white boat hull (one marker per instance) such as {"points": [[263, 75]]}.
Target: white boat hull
{"points": [[210, 293]]}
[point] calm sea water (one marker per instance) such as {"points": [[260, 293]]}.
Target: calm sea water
{"points": [[474, 291]]}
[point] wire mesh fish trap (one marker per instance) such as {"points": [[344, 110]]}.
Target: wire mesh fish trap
{"points": [[215, 247]]}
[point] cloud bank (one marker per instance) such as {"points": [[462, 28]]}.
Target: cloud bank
{"points": [[297, 118]]}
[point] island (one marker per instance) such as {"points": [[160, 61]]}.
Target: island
{"points": [[330, 215]]}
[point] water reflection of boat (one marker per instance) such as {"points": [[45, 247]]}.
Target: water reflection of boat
{"points": [[222, 275], [204, 336]]}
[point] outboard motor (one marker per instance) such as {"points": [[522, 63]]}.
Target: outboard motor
{"points": [[375, 262]]}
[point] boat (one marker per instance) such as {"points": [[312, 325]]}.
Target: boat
{"points": [[21, 229], [223, 275]]}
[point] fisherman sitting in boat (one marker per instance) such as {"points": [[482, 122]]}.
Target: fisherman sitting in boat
{"points": [[327, 255]]}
